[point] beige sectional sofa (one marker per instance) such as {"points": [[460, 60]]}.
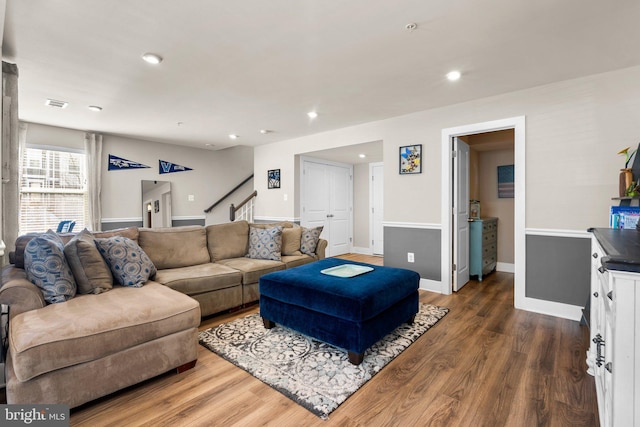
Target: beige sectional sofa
{"points": [[94, 344]]}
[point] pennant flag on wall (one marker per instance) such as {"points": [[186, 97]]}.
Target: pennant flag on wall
{"points": [[117, 163], [168, 167]]}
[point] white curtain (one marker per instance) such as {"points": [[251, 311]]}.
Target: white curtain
{"points": [[93, 152], [10, 158]]}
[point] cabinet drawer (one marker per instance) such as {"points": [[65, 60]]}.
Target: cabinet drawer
{"points": [[488, 262], [489, 250], [489, 237], [488, 226]]}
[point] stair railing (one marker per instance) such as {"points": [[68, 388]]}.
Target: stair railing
{"points": [[210, 208], [244, 211]]}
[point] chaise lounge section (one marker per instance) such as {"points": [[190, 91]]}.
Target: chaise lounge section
{"points": [[110, 336]]}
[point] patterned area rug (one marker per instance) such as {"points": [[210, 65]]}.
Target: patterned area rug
{"points": [[314, 374]]}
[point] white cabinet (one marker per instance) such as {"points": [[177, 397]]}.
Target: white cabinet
{"points": [[614, 353]]}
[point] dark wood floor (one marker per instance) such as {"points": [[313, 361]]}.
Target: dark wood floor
{"points": [[484, 364]]}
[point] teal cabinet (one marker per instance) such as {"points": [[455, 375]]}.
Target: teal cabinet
{"points": [[483, 246]]}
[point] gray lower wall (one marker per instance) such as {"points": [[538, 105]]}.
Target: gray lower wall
{"points": [[424, 243], [558, 269], [106, 226]]}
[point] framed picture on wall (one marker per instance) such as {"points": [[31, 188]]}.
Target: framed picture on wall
{"points": [[156, 206], [506, 182], [411, 159], [273, 178]]}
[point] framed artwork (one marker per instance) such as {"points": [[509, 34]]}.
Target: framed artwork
{"points": [[411, 159], [506, 182], [156, 206], [273, 178]]}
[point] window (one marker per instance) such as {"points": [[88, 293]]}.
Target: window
{"points": [[52, 189]]}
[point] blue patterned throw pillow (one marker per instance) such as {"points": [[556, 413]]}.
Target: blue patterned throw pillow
{"points": [[265, 243], [47, 268], [128, 262], [309, 240]]}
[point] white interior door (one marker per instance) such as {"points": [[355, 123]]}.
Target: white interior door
{"points": [[339, 210], [315, 194], [377, 212], [460, 214], [327, 200]]}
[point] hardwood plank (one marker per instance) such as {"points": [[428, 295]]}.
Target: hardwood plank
{"points": [[485, 363]]}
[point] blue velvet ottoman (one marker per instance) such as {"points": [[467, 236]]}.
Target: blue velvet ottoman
{"points": [[352, 313]]}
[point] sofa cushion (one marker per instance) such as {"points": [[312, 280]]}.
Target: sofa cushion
{"points": [[309, 240], [297, 260], [265, 243], [291, 241], [283, 224], [175, 247], [129, 264], [201, 278], [252, 269], [90, 327], [128, 232], [22, 241], [90, 270], [229, 240], [47, 268]]}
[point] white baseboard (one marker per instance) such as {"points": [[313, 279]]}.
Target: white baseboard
{"points": [[269, 219], [110, 220], [361, 250], [557, 309], [431, 285], [505, 267]]}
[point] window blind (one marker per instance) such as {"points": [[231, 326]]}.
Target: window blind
{"points": [[52, 189]]}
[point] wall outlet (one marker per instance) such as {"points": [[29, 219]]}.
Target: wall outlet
{"points": [[410, 257], [191, 197], [286, 197]]}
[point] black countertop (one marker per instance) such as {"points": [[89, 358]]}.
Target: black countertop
{"points": [[621, 247]]}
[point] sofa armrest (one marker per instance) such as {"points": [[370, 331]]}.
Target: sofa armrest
{"points": [[18, 293], [321, 248]]}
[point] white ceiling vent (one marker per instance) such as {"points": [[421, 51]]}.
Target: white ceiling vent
{"points": [[57, 104]]}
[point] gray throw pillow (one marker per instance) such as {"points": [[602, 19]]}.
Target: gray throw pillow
{"points": [[47, 268], [90, 270], [128, 262], [309, 240], [265, 243]]}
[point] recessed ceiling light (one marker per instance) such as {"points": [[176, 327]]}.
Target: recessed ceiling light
{"points": [[362, 156], [209, 145], [94, 108], [233, 136], [152, 58], [411, 26], [453, 75], [265, 131], [57, 104], [312, 114]]}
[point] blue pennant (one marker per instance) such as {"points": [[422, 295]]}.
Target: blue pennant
{"points": [[117, 163], [168, 167]]}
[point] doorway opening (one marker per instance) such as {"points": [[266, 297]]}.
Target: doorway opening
{"points": [[517, 124]]}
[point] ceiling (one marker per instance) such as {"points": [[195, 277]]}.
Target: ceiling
{"points": [[236, 67]]}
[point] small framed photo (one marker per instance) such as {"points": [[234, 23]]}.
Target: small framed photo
{"points": [[156, 206], [411, 159], [506, 182], [273, 178]]}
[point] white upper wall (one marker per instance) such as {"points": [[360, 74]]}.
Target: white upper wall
{"points": [[214, 174], [574, 130]]}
